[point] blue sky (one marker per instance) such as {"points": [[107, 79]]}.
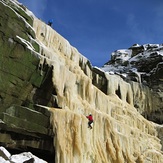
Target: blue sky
{"points": [[98, 27]]}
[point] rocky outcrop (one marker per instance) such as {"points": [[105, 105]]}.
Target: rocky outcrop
{"points": [[48, 88]]}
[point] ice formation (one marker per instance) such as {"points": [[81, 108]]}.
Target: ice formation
{"points": [[119, 134]]}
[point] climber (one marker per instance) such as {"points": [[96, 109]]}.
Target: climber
{"points": [[90, 118], [50, 22]]}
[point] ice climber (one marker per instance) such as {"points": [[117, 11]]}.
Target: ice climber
{"points": [[50, 22], [90, 121]]}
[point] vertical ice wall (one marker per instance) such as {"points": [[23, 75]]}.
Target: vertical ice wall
{"points": [[119, 134]]}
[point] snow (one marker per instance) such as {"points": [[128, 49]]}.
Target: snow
{"points": [[146, 46], [6, 157], [5, 152], [28, 44], [1, 121], [123, 54], [30, 47], [18, 4], [19, 158], [2, 160]]}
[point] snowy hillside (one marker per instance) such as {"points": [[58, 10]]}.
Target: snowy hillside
{"points": [[138, 63]]}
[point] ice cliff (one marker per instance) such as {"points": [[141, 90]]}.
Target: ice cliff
{"points": [[47, 88]]}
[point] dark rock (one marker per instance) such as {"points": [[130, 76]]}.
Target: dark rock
{"points": [[23, 84]]}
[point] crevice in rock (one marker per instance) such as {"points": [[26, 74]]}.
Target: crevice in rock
{"points": [[127, 98], [43, 95], [118, 92], [99, 80], [155, 116]]}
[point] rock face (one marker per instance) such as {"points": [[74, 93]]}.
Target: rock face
{"points": [[22, 84], [47, 88]]}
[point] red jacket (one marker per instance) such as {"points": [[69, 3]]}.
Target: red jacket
{"points": [[90, 117]]}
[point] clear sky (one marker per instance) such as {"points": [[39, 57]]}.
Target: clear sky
{"points": [[98, 27]]}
